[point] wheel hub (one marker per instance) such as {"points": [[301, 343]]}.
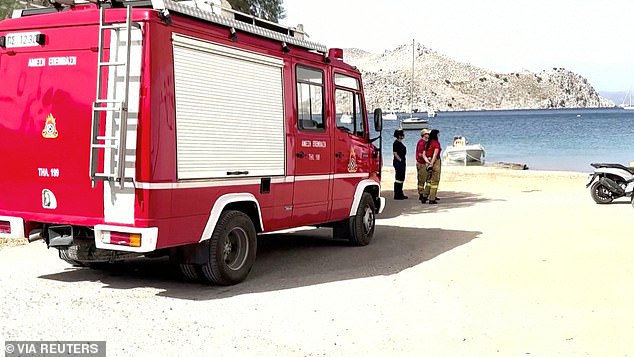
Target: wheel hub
{"points": [[368, 220], [235, 248]]}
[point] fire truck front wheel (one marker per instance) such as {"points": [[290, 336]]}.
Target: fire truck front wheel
{"points": [[232, 249], [363, 221]]}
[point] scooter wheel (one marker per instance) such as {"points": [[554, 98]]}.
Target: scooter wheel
{"points": [[600, 194]]}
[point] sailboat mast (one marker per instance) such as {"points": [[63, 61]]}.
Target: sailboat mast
{"points": [[411, 94]]}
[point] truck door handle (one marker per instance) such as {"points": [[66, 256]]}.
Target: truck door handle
{"points": [[339, 155], [300, 155]]}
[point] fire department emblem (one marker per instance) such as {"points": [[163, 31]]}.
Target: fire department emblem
{"points": [[352, 163], [50, 128]]}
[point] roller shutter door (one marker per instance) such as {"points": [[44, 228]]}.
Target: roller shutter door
{"points": [[229, 111]]}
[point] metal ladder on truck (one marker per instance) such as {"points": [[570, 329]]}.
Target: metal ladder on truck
{"points": [[112, 143]]}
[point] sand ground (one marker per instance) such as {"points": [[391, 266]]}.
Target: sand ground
{"points": [[510, 263]]}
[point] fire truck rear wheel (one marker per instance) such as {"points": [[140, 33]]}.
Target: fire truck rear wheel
{"points": [[363, 221], [63, 255], [232, 249], [188, 271]]}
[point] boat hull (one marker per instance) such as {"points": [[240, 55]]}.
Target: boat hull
{"points": [[416, 124], [390, 116], [468, 153]]}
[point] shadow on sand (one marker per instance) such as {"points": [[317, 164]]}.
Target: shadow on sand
{"points": [[448, 200], [288, 261]]}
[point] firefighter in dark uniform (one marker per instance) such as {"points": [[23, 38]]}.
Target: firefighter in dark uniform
{"points": [[399, 151]]}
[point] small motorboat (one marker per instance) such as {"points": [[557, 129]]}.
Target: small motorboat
{"points": [[414, 124], [461, 150], [390, 116], [431, 113]]}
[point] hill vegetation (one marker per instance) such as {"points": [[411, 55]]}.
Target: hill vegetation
{"points": [[443, 84]]}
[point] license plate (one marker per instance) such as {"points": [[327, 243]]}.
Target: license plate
{"points": [[22, 39]]}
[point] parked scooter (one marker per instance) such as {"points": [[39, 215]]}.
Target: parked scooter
{"points": [[610, 181]]}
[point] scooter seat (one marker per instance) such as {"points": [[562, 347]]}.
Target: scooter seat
{"points": [[612, 166]]}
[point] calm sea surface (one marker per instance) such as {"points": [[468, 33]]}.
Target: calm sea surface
{"points": [[561, 139]]}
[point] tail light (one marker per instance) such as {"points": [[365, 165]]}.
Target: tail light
{"points": [[5, 227], [121, 238]]}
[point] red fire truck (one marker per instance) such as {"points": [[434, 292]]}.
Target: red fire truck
{"points": [[166, 128]]}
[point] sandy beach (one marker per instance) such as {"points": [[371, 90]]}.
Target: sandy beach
{"points": [[509, 263]]}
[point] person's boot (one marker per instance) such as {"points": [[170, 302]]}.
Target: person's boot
{"points": [[398, 191], [422, 198]]}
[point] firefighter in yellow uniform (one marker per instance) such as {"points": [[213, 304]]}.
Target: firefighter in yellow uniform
{"points": [[432, 155]]}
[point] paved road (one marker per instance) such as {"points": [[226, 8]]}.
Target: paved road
{"points": [[521, 270]]}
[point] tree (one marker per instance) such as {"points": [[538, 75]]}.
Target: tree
{"points": [[271, 10], [6, 7]]}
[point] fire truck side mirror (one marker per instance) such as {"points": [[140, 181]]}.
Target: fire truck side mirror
{"points": [[378, 119]]}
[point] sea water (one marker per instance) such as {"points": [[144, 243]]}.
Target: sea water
{"points": [[558, 139]]}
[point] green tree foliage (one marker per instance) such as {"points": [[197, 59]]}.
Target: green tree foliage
{"points": [[6, 6], [271, 10]]}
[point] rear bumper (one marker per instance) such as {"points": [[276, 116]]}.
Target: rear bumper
{"points": [[149, 235], [149, 238], [17, 227]]}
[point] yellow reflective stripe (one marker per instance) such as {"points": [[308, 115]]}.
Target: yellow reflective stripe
{"points": [[397, 181], [433, 186]]}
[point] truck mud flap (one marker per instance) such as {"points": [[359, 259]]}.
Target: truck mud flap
{"points": [[191, 254]]}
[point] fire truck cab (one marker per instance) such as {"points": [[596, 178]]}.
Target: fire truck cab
{"points": [[166, 128]]}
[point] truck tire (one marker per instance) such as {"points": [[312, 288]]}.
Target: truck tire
{"points": [[363, 222], [600, 193], [63, 255], [188, 271], [232, 249]]}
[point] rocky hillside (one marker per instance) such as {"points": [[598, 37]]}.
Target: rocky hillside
{"points": [[444, 84]]}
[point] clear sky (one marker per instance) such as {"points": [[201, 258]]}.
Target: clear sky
{"points": [[590, 37]]}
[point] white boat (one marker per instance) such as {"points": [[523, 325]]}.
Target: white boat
{"points": [[414, 124], [462, 151], [390, 116], [431, 113]]}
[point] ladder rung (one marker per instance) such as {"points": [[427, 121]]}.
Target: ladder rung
{"points": [[99, 100], [112, 63], [107, 138], [113, 26], [117, 25], [104, 146], [103, 175], [106, 109]]}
